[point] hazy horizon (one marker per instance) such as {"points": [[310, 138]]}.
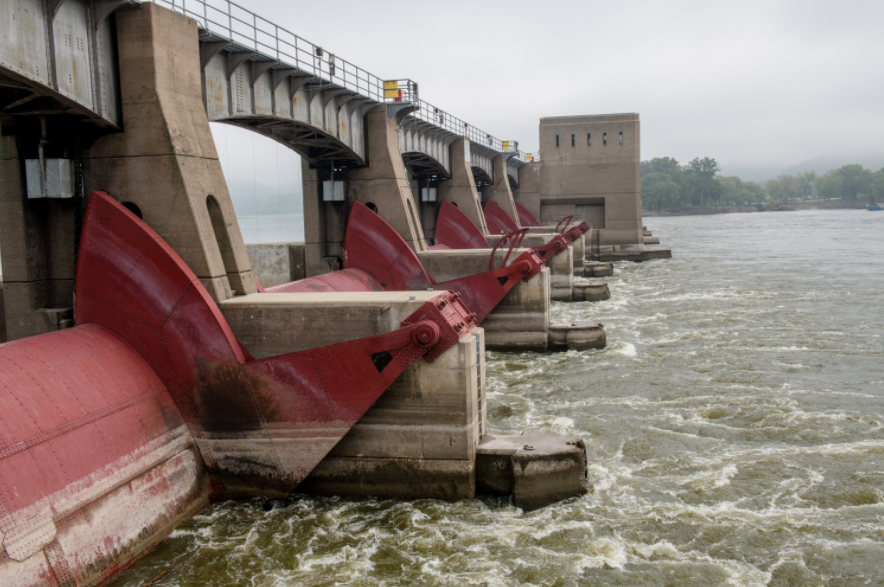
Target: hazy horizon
{"points": [[759, 86]]}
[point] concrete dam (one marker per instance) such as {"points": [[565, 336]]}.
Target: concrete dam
{"points": [[152, 363]]}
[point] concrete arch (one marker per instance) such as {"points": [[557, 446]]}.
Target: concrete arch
{"points": [[425, 148], [481, 162], [311, 143], [319, 121]]}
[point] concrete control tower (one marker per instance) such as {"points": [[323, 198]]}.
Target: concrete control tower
{"points": [[590, 167]]}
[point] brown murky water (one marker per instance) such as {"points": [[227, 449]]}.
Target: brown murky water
{"points": [[734, 430]]}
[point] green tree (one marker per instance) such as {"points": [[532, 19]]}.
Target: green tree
{"points": [[774, 190], [703, 171], [855, 180], [878, 184], [659, 192], [753, 193], [828, 185], [660, 165], [805, 184], [731, 190], [788, 187]]}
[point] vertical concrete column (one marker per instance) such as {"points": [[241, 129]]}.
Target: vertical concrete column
{"points": [[165, 161], [528, 194], [325, 223], [384, 182], [461, 188], [37, 244], [499, 191]]}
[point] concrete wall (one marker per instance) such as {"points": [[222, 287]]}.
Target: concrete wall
{"points": [[595, 182], [419, 440], [277, 263]]}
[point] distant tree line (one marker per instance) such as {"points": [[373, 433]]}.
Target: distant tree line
{"points": [[668, 185]]}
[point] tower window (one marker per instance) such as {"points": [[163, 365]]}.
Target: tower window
{"points": [[621, 137], [604, 138], [588, 139], [572, 141], [557, 140]]}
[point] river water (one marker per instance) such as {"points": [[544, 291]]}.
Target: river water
{"points": [[733, 428]]}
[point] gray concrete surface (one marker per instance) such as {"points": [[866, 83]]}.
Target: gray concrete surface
{"points": [[277, 263], [578, 336], [419, 439], [536, 468], [165, 162]]}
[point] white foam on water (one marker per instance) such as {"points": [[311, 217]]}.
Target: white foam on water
{"points": [[625, 349]]}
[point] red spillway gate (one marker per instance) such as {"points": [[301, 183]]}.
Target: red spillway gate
{"points": [[525, 217], [497, 219], [455, 230], [376, 256], [106, 426]]}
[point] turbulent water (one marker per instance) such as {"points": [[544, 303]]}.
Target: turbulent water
{"points": [[733, 425]]}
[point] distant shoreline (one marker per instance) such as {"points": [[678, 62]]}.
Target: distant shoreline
{"points": [[837, 205]]}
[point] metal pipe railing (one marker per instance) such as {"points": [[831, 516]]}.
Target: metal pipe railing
{"points": [[232, 22]]}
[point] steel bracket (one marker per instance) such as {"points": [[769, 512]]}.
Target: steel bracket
{"points": [[236, 58]]}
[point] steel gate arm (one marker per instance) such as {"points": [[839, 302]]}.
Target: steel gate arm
{"points": [[482, 292]]}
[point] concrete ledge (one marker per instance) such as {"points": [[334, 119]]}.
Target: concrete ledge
{"points": [[597, 269], [590, 292], [536, 468], [392, 478], [645, 255], [272, 324], [651, 240], [578, 336]]}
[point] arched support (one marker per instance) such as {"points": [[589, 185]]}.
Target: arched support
{"points": [[169, 164], [236, 59], [104, 8], [460, 190], [499, 192]]}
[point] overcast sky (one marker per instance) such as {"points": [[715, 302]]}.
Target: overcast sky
{"points": [[760, 86]]}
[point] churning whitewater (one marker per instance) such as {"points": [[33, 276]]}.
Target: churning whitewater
{"points": [[733, 429]]}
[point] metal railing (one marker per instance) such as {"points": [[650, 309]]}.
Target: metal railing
{"points": [[249, 32]]}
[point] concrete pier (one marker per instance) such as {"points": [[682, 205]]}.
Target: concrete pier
{"points": [[590, 168], [590, 292], [420, 437], [536, 468], [597, 269], [460, 190], [499, 191]]}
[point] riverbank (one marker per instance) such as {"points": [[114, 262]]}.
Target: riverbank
{"points": [[791, 207]]}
